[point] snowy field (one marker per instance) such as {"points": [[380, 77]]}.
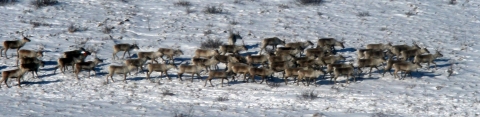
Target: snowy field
{"points": [[160, 23]]}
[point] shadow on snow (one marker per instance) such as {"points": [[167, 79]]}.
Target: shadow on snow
{"points": [[40, 82]]}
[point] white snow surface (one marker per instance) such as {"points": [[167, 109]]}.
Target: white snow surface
{"points": [[159, 23]]}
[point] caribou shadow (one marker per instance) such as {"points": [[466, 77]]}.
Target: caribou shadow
{"points": [[417, 75], [187, 77], [44, 51], [432, 66], [156, 75], [361, 78], [249, 53], [133, 56], [47, 63], [40, 82], [47, 75], [342, 79], [232, 82], [252, 46], [258, 79], [101, 73], [2, 67], [276, 79], [181, 60], [238, 79], [442, 60], [347, 50], [100, 65], [136, 78]]}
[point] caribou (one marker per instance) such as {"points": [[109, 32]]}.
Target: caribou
{"points": [[396, 49], [16, 44], [33, 64], [232, 37], [137, 62], [64, 62], [273, 41], [379, 46], [429, 58], [123, 47], [292, 72], [238, 68], [318, 52], [407, 67], [371, 62], [263, 72], [212, 61], [191, 69], [205, 53], [162, 68], [255, 59], [329, 43], [217, 74], [309, 75], [89, 66], [406, 54], [235, 49], [28, 53], [170, 53], [150, 55], [15, 73], [80, 53], [299, 45], [119, 69], [390, 63], [348, 71]]}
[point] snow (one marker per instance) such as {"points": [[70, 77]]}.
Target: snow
{"points": [[159, 23]]}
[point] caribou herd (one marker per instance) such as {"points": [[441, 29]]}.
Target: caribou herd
{"points": [[302, 61]]}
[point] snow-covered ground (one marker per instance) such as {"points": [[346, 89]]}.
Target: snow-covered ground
{"points": [[159, 23]]}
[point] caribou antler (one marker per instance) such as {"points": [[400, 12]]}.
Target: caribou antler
{"points": [[92, 49], [230, 31], [21, 33], [415, 43], [450, 69], [41, 47], [436, 48]]}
